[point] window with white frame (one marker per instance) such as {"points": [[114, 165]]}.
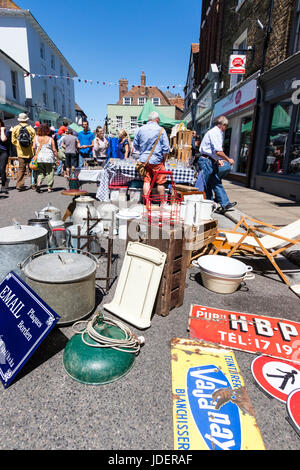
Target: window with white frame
{"points": [[44, 93], [127, 100], [52, 62], [156, 101], [54, 99], [133, 122], [141, 100], [42, 50], [239, 47], [61, 70], [14, 84], [119, 122]]}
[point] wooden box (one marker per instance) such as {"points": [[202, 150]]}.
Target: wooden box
{"points": [[171, 242], [199, 240]]}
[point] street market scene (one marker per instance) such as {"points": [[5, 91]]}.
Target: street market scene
{"points": [[150, 233]]}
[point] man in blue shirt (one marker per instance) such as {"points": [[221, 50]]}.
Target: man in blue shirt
{"points": [[85, 144], [215, 164], [144, 142]]}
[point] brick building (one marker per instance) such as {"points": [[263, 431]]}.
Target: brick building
{"points": [[124, 114], [264, 121]]}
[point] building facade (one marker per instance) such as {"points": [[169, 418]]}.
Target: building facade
{"points": [[261, 104], [12, 87], [124, 114], [49, 85], [190, 87]]}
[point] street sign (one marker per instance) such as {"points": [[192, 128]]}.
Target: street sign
{"points": [[211, 406], [247, 332], [277, 377], [293, 408], [25, 321], [237, 64]]}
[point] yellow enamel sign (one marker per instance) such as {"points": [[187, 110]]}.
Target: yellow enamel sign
{"points": [[211, 407]]}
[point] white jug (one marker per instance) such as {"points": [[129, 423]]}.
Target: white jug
{"points": [[196, 211], [206, 209]]}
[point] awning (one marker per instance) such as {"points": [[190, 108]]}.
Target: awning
{"points": [[8, 108], [165, 122], [75, 127]]}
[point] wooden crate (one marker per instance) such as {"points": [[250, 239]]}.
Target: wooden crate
{"points": [[199, 241], [170, 241]]}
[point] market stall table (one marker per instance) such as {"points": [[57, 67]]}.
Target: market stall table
{"points": [[121, 172]]}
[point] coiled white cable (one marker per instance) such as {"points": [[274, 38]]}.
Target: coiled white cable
{"points": [[131, 343]]}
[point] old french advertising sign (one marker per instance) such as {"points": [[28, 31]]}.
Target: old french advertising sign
{"points": [[271, 336], [276, 377], [293, 407], [211, 407], [25, 321]]}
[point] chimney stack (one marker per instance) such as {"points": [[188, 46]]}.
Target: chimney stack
{"points": [[123, 88], [143, 83]]}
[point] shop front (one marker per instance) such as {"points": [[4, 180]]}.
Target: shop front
{"points": [[239, 106], [277, 150]]}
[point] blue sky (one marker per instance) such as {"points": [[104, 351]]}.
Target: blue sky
{"points": [[108, 40]]}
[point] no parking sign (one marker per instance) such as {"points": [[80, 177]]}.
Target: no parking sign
{"points": [[277, 377]]}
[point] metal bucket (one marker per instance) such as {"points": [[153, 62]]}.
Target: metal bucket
{"points": [[65, 280], [18, 242]]}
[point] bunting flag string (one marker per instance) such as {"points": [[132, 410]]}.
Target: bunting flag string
{"points": [[97, 82]]}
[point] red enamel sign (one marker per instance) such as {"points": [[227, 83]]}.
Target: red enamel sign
{"points": [[293, 407], [237, 64], [248, 332], [277, 377]]}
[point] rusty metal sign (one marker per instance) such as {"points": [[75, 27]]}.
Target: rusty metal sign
{"points": [[211, 406], [256, 334]]}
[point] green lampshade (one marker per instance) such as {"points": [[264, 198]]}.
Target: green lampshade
{"points": [[94, 365]]}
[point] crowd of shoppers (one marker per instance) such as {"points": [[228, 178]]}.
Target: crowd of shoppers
{"points": [[52, 151], [49, 149]]}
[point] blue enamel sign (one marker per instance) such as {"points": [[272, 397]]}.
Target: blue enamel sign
{"points": [[25, 321], [203, 384]]}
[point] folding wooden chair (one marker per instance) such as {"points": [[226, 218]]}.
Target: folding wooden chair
{"points": [[270, 245]]}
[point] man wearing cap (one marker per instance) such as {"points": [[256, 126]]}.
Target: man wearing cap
{"points": [[25, 154], [144, 142]]}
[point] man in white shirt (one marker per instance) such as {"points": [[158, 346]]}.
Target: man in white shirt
{"points": [[215, 164]]}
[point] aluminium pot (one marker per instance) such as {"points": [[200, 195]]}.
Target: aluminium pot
{"points": [[18, 242], [65, 280]]}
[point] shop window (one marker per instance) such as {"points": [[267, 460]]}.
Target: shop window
{"points": [[246, 129], [294, 154], [278, 138], [227, 141]]}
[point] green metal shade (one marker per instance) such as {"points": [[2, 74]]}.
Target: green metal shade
{"points": [[94, 365]]}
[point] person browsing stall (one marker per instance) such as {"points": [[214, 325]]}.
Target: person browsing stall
{"points": [[144, 142], [215, 164], [85, 144]]}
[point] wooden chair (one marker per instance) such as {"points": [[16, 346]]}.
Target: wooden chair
{"points": [[275, 240], [12, 167]]}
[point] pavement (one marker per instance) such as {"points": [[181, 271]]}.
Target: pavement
{"points": [[44, 409]]}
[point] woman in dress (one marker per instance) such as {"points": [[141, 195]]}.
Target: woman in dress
{"points": [[46, 153], [100, 145], [4, 147], [123, 148]]}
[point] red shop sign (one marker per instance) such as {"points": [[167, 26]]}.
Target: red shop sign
{"points": [[247, 332], [293, 407], [277, 377]]}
